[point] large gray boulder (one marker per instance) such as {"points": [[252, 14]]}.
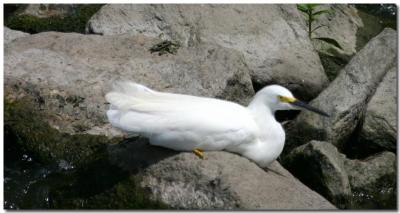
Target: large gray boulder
{"points": [[68, 74], [345, 98], [320, 166], [11, 35], [369, 183], [373, 181], [379, 129], [272, 38], [220, 181]]}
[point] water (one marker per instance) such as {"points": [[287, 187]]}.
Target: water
{"points": [[29, 184], [25, 179]]}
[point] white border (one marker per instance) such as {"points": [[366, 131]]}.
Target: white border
{"points": [[135, 2]]}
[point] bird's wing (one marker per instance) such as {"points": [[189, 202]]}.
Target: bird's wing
{"points": [[127, 95], [136, 108]]}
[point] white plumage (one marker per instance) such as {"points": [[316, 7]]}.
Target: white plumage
{"points": [[184, 122]]}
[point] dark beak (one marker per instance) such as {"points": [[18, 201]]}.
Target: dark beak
{"points": [[306, 106]]}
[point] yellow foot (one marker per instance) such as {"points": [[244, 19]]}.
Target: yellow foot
{"points": [[199, 153]]}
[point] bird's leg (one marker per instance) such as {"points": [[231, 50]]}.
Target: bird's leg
{"points": [[198, 152]]}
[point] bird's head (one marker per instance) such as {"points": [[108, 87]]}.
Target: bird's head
{"points": [[279, 98]]}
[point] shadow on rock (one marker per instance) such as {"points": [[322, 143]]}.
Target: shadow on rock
{"points": [[135, 154]]}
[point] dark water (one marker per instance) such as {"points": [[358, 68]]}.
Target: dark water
{"points": [[385, 13], [380, 10], [25, 180], [29, 184]]}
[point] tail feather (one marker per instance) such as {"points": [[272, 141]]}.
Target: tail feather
{"points": [[126, 94], [130, 88]]}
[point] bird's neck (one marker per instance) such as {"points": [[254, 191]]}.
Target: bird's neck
{"points": [[259, 108], [272, 135], [264, 116]]}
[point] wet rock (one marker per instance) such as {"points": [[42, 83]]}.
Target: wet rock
{"points": [[374, 22], [68, 74], [220, 181], [26, 126], [274, 44], [346, 97], [321, 167], [379, 129], [36, 18], [373, 181], [11, 35]]}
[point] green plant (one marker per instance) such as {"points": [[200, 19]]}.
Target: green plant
{"points": [[312, 15], [165, 46]]}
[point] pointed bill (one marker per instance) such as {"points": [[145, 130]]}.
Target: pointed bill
{"points": [[308, 107]]}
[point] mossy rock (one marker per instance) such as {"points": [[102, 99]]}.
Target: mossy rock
{"points": [[126, 194], [25, 125], [332, 65], [74, 23], [381, 196], [92, 182], [101, 186]]}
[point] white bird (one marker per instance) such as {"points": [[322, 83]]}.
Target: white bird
{"points": [[191, 123]]}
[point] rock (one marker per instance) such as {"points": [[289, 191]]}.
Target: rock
{"points": [[349, 184], [341, 24], [220, 181], [373, 181], [36, 18], [373, 21], [273, 42], [320, 166], [11, 35], [48, 10], [379, 128], [28, 127], [345, 98], [68, 74]]}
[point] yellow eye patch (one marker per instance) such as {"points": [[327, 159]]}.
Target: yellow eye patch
{"points": [[286, 99]]}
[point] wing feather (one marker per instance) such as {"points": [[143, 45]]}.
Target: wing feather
{"points": [[136, 108]]}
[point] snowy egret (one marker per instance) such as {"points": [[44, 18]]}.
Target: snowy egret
{"points": [[190, 123]]}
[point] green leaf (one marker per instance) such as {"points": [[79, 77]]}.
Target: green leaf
{"points": [[330, 41], [316, 14], [318, 28], [312, 6], [302, 8]]}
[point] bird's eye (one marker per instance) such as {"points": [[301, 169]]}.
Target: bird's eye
{"points": [[286, 99]]}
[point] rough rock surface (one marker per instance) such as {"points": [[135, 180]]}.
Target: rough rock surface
{"points": [[321, 167], [11, 35], [346, 97], [220, 181], [373, 181], [380, 124], [369, 183], [68, 74], [271, 38]]}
